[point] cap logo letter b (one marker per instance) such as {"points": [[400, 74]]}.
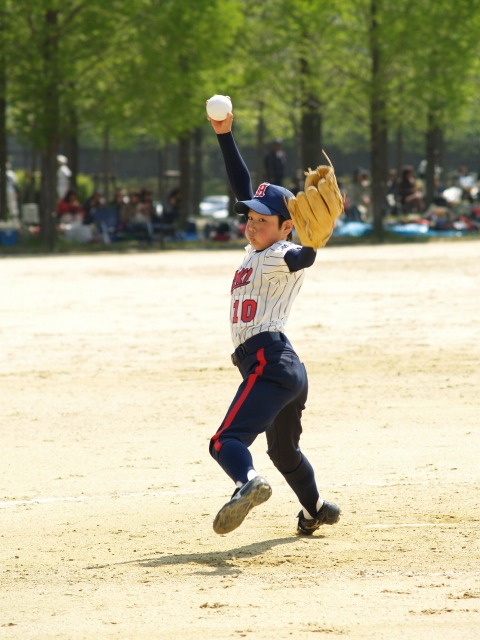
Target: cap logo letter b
{"points": [[260, 192]]}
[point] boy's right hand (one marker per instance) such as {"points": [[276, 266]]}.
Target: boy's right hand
{"points": [[222, 126]]}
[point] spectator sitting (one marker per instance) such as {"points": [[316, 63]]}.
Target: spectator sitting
{"points": [[468, 184], [171, 213], [128, 208], [358, 197], [409, 193], [441, 218], [165, 223], [69, 209], [221, 232], [119, 199], [392, 192], [134, 218], [94, 202], [146, 207], [438, 197]]}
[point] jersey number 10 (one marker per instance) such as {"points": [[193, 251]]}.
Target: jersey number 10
{"points": [[247, 311]]}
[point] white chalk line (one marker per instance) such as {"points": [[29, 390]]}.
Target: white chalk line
{"points": [[85, 498], [398, 525], [179, 492]]}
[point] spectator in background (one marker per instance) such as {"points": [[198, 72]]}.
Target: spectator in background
{"points": [[94, 202], [275, 163], [409, 193], [147, 208], [12, 192], [468, 183], [357, 203], [134, 218], [128, 208], [69, 209], [171, 213], [119, 199], [64, 175], [165, 220], [392, 192]]}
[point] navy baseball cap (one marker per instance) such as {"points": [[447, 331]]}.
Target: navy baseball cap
{"points": [[269, 200]]}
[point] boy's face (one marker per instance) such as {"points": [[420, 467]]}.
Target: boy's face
{"points": [[263, 231]]}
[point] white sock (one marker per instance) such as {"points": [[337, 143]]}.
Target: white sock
{"points": [[250, 476], [319, 505]]}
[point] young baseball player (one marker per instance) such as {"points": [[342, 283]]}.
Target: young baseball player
{"points": [[273, 392]]}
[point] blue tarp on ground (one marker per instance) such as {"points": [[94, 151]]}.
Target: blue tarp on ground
{"points": [[359, 229], [418, 229], [353, 229]]}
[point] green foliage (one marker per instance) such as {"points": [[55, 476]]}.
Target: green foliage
{"points": [[144, 68], [85, 187], [23, 180], [180, 46], [437, 56], [85, 184]]}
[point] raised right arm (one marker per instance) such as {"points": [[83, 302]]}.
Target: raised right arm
{"points": [[237, 171]]}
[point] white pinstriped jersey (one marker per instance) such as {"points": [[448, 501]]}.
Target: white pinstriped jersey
{"points": [[263, 291]]}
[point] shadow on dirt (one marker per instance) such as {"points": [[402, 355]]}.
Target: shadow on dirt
{"points": [[221, 562]]}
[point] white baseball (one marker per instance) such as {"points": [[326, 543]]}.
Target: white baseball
{"points": [[218, 107]]}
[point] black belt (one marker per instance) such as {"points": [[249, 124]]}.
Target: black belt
{"points": [[255, 343]]}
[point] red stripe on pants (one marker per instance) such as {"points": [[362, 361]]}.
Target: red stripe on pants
{"points": [[236, 407]]}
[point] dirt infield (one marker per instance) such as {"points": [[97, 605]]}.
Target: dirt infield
{"points": [[115, 372]]}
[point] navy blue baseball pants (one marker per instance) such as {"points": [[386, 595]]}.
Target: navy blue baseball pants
{"points": [[270, 399]]}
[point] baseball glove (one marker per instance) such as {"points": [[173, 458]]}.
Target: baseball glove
{"points": [[315, 209]]}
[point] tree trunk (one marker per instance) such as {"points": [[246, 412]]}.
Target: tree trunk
{"points": [[3, 120], [165, 186], [3, 154], [51, 117], [311, 124], [297, 171], [161, 175], [48, 200], [106, 163], [185, 193], [31, 191], [73, 148], [197, 177], [399, 151], [311, 135], [260, 176], [378, 129], [441, 149], [434, 144], [379, 155]]}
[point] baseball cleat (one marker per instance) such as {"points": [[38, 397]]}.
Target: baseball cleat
{"points": [[329, 513], [234, 512]]}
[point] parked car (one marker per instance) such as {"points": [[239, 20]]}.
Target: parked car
{"points": [[215, 207]]}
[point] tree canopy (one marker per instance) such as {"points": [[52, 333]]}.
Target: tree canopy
{"points": [[354, 72]]}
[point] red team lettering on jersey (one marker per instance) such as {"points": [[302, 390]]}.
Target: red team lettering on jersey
{"points": [[241, 278], [263, 290], [249, 307]]}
